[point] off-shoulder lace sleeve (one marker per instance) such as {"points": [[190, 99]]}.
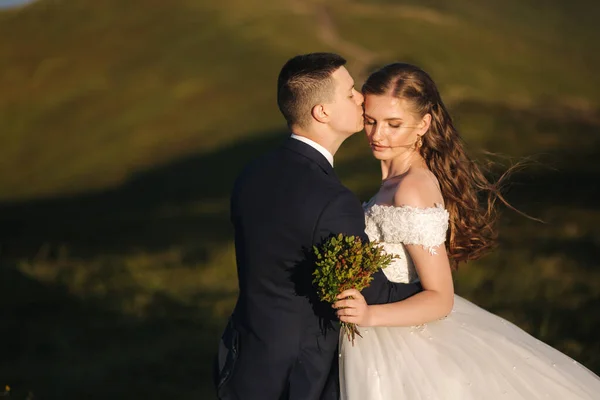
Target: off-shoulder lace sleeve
{"points": [[411, 225]]}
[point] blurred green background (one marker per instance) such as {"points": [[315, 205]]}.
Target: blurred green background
{"points": [[124, 123]]}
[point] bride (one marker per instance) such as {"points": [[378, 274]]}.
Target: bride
{"points": [[436, 345]]}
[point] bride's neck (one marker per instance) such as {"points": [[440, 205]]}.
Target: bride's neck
{"points": [[399, 165]]}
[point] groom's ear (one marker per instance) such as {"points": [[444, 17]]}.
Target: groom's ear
{"points": [[320, 113]]}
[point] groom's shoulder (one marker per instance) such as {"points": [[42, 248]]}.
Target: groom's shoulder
{"points": [[264, 162], [282, 160]]}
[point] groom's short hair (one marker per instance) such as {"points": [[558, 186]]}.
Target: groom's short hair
{"points": [[304, 82]]}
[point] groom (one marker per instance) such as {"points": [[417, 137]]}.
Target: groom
{"points": [[281, 342]]}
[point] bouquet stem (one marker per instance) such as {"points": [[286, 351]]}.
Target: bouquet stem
{"points": [[350, 330]]}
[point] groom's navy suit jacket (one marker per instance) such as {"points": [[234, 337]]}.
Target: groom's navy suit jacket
{"points": [[281, 342]]}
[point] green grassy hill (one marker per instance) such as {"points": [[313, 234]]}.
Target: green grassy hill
{"points": [[123, 125]]}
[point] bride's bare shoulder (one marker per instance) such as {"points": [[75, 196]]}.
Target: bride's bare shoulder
{"points": [[419, 188]]}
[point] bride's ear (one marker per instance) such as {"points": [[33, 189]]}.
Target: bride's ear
{"points": [[320, 113], [425, 124]]}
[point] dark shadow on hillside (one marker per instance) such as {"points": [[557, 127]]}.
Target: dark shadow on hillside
{"points": [[183, 203]]}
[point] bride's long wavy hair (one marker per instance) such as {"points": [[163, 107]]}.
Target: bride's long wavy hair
{"points": [[469, 196]]}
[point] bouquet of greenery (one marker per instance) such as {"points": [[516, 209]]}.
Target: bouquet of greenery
{"points": [[346, 262]]}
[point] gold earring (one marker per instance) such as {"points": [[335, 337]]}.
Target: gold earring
{"points": [[419, 142]]}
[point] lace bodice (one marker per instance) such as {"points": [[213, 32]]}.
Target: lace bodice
{"points": [[395, 227]]}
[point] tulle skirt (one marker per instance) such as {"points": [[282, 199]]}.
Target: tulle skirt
{"points": [[469, 355]]}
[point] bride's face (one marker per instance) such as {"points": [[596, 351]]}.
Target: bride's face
{"points": [[391, 126]]}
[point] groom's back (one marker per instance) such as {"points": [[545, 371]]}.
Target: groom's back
{"points": [[277, 209]]}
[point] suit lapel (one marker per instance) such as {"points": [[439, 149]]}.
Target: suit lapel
{"points": [[312, 154]]}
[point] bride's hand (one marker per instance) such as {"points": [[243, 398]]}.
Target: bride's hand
{"points": [[353, 308]]}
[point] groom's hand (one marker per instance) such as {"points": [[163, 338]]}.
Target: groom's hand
{"points": [[353, 308]]}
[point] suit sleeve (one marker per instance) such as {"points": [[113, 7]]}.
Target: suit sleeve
{"points": [[344, 214]]}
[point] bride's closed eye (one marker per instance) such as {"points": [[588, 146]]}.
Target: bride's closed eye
{"points": [[370, 123]]}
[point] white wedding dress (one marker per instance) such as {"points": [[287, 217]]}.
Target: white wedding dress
{"points": [[469, 355]]}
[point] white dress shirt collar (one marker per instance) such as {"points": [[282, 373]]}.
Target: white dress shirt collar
{"points": [[315, 146]]}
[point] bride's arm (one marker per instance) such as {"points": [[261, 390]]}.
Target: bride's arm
{"points": [[434, 302]]}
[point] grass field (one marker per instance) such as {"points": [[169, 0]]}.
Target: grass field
{"points": [[123, 125]]}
